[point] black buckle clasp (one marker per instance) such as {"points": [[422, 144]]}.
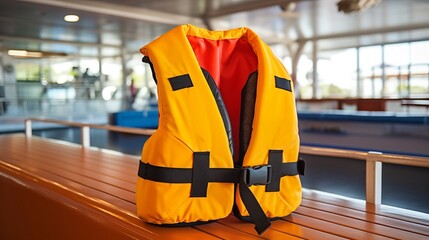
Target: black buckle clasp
{"points": [[257, 175]]}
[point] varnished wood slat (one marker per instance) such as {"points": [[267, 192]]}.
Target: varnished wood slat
{"points": [[366, 216], [395, 213], [91, 156], [90, 187], [96, 154], [109, 176], [332, 228], [71, 186], [225, 232], [39, 144], [95, 184], [119, 219], [50, 161], [270, 233], [28, 158], [98, 182], [303, 231], [369, 227], [73, 154]]}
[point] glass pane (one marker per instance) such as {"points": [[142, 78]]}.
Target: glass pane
{"points": [[370, 61], [419, 70], [337, 73], [420, 52], [397, 54], [305, 77]]}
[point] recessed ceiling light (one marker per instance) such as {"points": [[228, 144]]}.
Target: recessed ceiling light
{"points": [[71, 18], [33, 54], [23, 53]]}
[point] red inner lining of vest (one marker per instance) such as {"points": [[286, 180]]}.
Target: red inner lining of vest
{"points": [[229, 62]]}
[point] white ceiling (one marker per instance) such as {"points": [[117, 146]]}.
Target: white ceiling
{"points": [[109, 27]]}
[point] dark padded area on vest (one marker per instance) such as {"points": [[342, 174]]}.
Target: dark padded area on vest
{"points": [[248, 98], [283, 83], [181, 82], [221, 106]]}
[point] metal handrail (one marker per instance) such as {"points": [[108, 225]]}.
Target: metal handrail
{"points": [[373, 159], [362, 155], [85, 127]]}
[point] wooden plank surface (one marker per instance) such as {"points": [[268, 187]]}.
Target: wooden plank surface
{"points": [[106, 181], [26, 160], [359, 205], [366, 216]]}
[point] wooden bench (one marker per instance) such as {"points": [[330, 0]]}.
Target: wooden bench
{"points": [[51, 189]]}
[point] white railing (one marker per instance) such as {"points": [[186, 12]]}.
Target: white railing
{"points": [[374, 162], [373, 159], [85, 129]]}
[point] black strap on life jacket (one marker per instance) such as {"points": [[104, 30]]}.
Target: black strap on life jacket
{"points": [[201, 174], [251, 175]]}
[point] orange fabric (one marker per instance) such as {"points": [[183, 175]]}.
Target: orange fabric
{"points": [[190, 122], [222, 58]]}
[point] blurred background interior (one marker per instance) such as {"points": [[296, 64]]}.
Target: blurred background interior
{"points": [[360, 67], [334, 50]]}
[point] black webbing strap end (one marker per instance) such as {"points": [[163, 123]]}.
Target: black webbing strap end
{"points": [[262, 227], [275, 170], [142, 169], [301, 167], [257, 175], [146, 59], [255, 210]]}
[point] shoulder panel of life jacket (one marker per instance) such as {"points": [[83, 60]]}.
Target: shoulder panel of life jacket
{"points": [[214, 86]]}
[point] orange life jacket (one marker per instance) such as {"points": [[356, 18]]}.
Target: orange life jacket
{"points": [[227, 135]]}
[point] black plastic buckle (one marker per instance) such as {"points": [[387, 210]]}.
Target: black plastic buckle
{"points": [[257, 175]]}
